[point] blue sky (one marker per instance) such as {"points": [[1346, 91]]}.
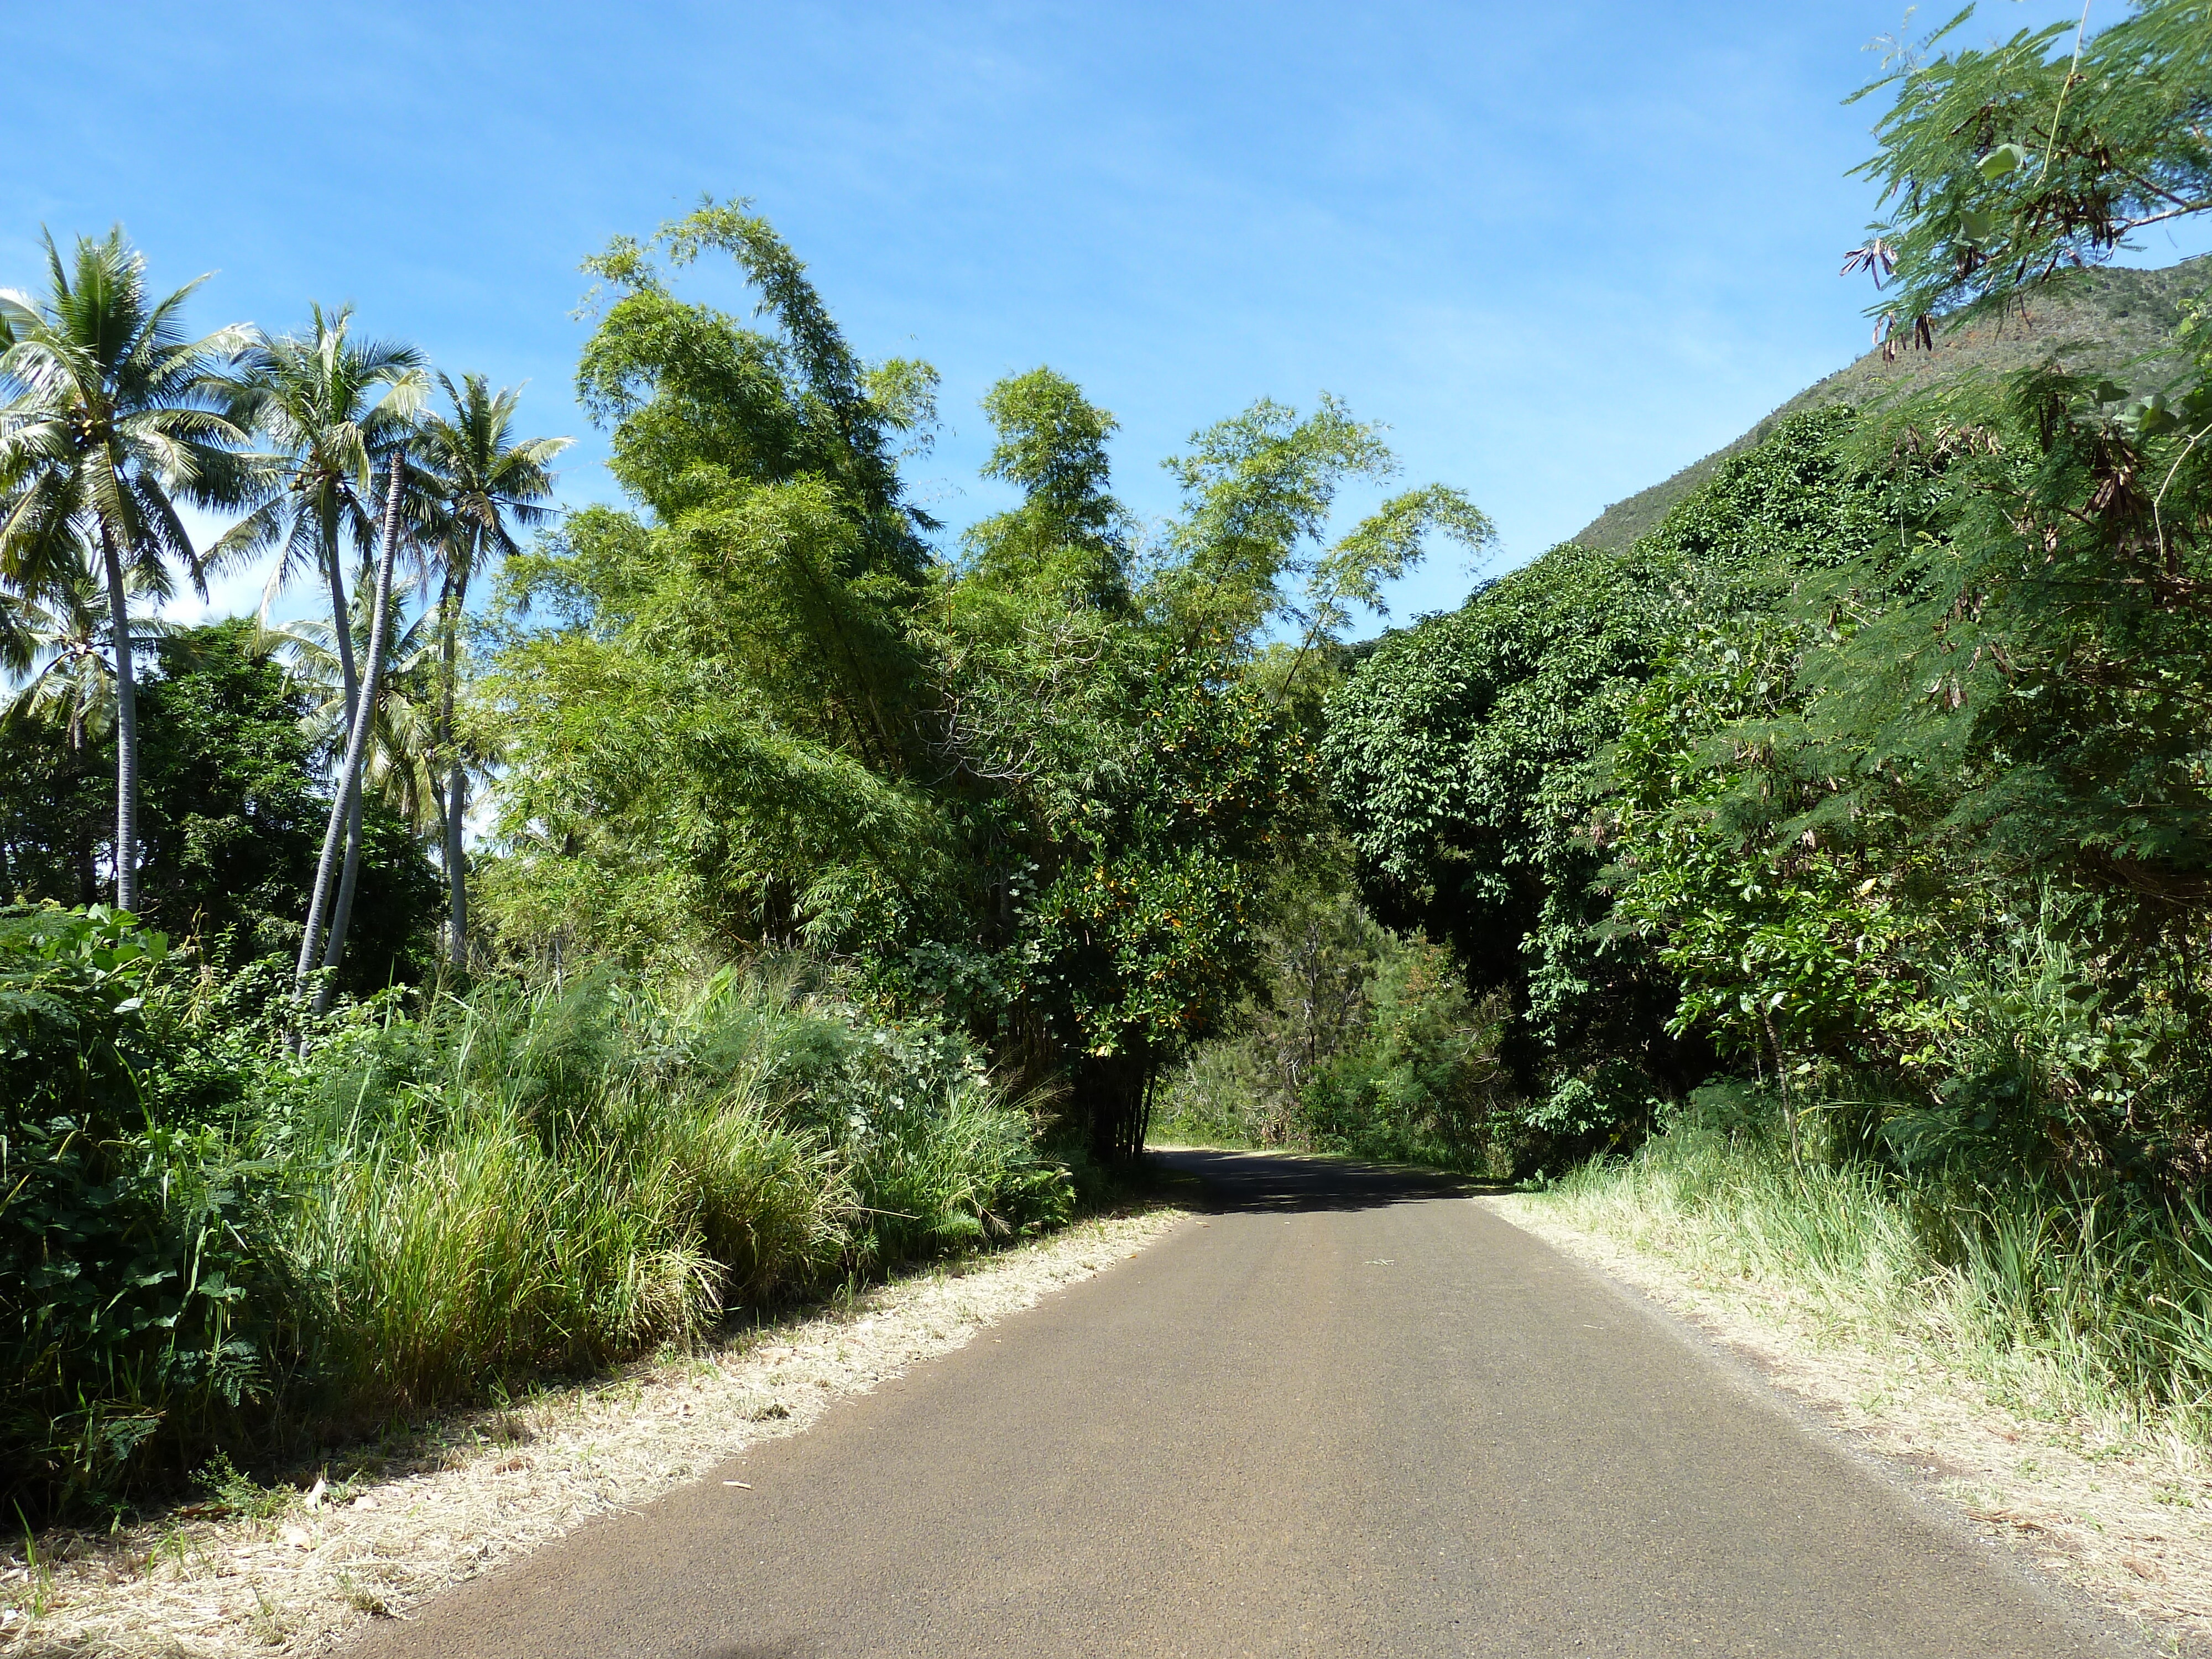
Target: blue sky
{"points": [[1561, 249]]}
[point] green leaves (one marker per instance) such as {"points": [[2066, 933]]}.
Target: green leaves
{"points": [[72, 978], [1469, 758], [1039, 783], [1385, 546], [120, 1295], [687, 390], [2150, 417], [1142, 940], [111, 411], [1258, 488], [720, 736], [2002, 167]]}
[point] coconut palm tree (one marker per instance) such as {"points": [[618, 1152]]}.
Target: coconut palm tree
{"points": [[490, 480], [331, 407], [16, 643], [65, 656], [110, 417]]}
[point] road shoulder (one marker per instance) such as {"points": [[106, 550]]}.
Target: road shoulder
{"points": [[2124, 1520]]}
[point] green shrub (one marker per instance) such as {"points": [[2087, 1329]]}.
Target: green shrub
{"points": [[549, 1178], [213, 1245], [1367, 1043], [124, 1264]]}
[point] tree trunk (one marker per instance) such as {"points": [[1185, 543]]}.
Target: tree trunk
{"points": [[346, 799], [342, 637], [1116, 1092], [349, 878], [456, 801], [341, 628], [1782, 1083], [457, 870], [126, 730], [88, 870]]}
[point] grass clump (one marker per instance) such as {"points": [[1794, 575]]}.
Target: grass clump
{"points": [[441, 1202], [2067, 1305]]}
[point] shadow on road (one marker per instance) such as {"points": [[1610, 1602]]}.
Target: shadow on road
{"points": [[1275, 1182]]}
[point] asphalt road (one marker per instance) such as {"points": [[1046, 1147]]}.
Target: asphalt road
{"points": [[1350, 1413]]}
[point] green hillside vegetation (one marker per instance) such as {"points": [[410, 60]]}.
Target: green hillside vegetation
{"points": [[1838, 849], [2105, 321]]}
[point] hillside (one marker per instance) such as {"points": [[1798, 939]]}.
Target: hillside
{"points": [[2116, 322]]}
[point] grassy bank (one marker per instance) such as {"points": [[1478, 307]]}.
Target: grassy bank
{"points": [[379, 1537], [216, 1245], [2066, 1306]]}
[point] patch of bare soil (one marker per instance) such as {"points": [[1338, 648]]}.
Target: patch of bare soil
{"points": [[495, 1485], [2122, 1515]]}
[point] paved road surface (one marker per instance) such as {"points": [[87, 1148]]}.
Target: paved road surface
{"points": [[1352, 1414]]}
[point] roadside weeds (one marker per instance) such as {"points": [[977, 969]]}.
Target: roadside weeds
{"points": [[2120, 1513], [290, 1571]]}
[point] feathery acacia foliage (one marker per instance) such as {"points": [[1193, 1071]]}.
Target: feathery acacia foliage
{"points": [[2001, 168]]}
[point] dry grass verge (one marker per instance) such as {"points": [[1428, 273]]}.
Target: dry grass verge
{"points": [[2105, 1504], [381, 1533]]}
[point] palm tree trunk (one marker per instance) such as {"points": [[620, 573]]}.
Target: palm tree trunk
{"points": [[343, 805], [88, 875], [342, 628], [349, 878], [380, 634], [456, 801], [342, 636], [126, 730], [457, 869]]}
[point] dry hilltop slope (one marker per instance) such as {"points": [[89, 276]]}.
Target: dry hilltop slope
{"points": [[2113, 322]]}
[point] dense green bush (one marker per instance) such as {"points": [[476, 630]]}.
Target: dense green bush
{"points": [[1819, 778], [122, 1227], [1470, 758], [211, 1243]]}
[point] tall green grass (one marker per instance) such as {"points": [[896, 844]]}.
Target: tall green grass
{"points": [[2067, 1305], [441, 1203], [552, 1178]]}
